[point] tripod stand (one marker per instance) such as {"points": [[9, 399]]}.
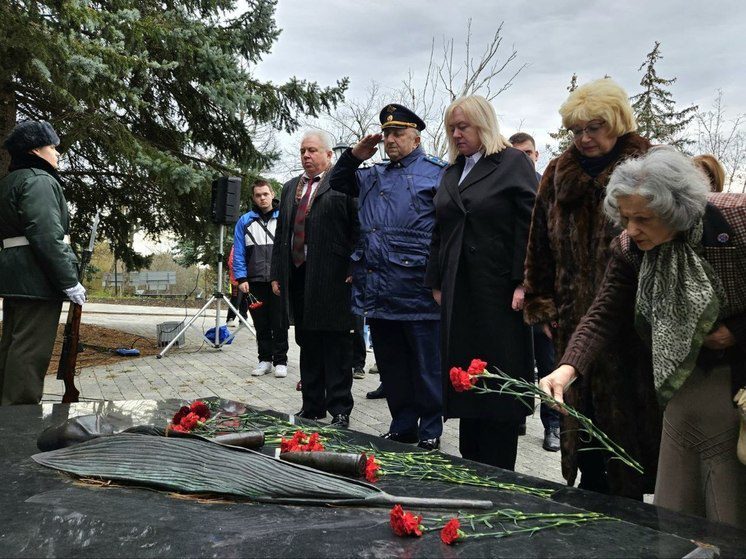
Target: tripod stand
{"points": [[216, 298]]}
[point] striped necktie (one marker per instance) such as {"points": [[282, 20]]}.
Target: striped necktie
{"points": [[299, 226]]}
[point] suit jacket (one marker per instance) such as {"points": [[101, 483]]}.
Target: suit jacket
{"points": [[332, 230], [476, 260]]}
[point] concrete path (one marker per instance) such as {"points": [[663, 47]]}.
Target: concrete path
{"points": [[197, 370]]}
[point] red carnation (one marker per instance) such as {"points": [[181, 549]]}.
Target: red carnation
{"points": [[405, 523], [201, 409], [450, 532], [371, 469], [301, 443], [254, 306], [313, 444], [179, 415], [190, 421], [461, 380], [477, 367]]}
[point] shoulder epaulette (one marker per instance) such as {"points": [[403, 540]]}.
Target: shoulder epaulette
{"points": [[436, 161]]}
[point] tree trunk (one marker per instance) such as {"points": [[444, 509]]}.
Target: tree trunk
{"points": [[7, 119]]}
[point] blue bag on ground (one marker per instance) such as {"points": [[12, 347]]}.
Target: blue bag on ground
{"points": [[224, 335]]}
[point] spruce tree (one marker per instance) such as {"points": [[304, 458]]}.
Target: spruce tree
{"points": [[562, 136], [655, 109], [152, 99]]}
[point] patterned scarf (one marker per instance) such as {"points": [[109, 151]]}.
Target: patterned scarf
{"points": [[301, 186], [679, 297]]}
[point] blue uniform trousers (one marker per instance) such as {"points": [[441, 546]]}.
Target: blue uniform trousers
{"points": [[408, 357]]}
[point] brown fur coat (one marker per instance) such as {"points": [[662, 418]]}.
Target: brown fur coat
{"points": [[567, 255]]}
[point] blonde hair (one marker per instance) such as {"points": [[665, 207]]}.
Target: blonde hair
{"points": [[713, 169], [600, 99], [481, 114]]}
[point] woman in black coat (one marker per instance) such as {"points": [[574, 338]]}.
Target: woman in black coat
{"points": [[483, 211]]}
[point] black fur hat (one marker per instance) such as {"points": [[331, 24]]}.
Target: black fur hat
{"points": [[31, 134]]}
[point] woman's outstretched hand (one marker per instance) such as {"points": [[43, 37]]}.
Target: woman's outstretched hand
{"points": [[554, 383]]}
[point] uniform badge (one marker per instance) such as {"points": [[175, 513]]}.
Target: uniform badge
{"points": [[723, 238], [389, 118], [390, 109]]}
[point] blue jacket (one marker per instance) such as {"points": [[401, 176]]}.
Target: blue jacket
{"points": [[253, 239], [397, 215]]}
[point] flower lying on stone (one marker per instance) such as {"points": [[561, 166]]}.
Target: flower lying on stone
{"points": [[405, 523], [371, 469], [300, 442], [189, 417], [451, 531]]}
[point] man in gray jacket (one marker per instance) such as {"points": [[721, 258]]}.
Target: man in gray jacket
{"points": [[38, 269]]}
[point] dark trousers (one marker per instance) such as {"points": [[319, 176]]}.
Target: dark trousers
{"points": [[325, 359], [29, 331], [489, 441], [592, 463], [238, 300], [358, 343], [544, 356], [271, 335], [408, 357]]}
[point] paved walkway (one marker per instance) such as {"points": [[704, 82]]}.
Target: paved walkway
{"points": [[197, 370]]}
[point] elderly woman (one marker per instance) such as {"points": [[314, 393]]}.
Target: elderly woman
{"points": [[567, 255], [482, 215], [677, 269]]}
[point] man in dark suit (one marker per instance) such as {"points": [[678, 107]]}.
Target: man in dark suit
{"points": [[310, 272], [543, 347]]}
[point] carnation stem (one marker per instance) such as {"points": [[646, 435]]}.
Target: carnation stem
{"points": [[527, 390]]}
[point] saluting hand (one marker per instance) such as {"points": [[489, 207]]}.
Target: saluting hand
{"points": [[367, 147]]}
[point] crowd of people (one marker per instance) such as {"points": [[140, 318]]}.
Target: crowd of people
{"points": [[620, 268]]}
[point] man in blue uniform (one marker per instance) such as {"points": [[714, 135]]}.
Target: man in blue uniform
{"points": [[396, 214]]}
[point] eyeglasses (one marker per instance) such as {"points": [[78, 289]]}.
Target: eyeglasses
{"points": [[591, 130]]}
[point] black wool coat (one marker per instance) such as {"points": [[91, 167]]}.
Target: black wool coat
{"points": [[476, 260], [332, 230]]}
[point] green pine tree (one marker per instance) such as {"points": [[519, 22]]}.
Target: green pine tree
{"points": [[562, 137], [152, 99], [655, 109]]}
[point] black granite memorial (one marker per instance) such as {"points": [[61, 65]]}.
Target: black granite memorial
{"points": [[48, 513]]}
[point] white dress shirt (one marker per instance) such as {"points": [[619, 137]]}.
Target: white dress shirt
{"points": [[469, 164]]}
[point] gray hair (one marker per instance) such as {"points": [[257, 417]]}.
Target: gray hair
{"points": [[326, 141], [676, 189]]}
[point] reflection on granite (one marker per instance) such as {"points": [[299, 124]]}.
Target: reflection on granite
{"points": [[46, 513]]}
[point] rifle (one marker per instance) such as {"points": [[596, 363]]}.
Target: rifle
{"points": [[71, 338]]}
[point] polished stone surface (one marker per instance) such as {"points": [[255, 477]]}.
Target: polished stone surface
{"points": [[46, 513]]}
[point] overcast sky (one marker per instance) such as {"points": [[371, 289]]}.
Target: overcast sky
{"points": [[702, 45]]}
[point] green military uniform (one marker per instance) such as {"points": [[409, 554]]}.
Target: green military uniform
{"points": [[33, 278]]}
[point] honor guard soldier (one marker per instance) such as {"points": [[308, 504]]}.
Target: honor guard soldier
{"points": [[396, 214]]}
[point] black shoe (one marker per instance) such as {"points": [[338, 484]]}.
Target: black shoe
{"points": [[341, 421], [408, 438], [376, 394], [430, 444], [521, 429], [551, 439], [358, 373], [303, 414]]}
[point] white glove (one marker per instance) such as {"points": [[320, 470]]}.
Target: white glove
{"points": [[76, 294]]}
